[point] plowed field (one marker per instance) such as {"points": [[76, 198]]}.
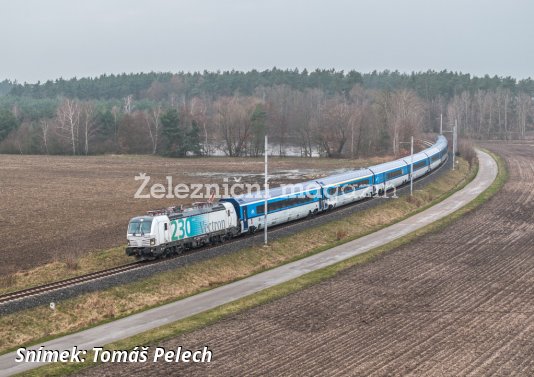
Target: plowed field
{"points": [[459, 302], [55, 206]]}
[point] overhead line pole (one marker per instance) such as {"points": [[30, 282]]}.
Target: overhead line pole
{"points": [[411, 168], [454, 132], [266, 191], [411, 163], [454, 138]]}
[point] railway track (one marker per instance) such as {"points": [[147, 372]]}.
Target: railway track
{"points": [[8, 297], [93, 276]]}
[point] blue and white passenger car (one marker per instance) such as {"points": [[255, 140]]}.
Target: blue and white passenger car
{"points": [[389, 175], [421, 164], [285, 203], [341, 189], [437, 152]]}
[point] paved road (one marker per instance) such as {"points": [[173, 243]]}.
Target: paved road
{"points": [[169, 313]]}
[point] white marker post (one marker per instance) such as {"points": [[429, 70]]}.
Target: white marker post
{"points": [[266, 190]]}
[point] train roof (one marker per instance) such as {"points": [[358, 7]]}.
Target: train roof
{"points": [[345, 177], [197, 210], [416, 157], [387, 166], [276, 192], [441, 140], [179, 212], [440, 145], [142, 218], [432, 151]]}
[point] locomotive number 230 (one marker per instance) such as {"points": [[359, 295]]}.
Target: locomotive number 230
{"points": [[180, 228]]}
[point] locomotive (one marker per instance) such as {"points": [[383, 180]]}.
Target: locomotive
{"points": [[172, 230]]}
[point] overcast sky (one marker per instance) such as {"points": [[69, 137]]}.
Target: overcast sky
{"points": [[47, 39]]}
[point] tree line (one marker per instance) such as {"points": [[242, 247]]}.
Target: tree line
{"points": [[163, 85], [321, 112]]}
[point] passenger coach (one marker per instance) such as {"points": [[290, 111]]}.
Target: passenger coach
{"points": [[346, 188], [421, 164], [285, 203]]}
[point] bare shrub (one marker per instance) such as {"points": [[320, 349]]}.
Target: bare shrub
{"points": [[467, 151], [72, 262], [340, 234], [413, 200], [110, 312]]}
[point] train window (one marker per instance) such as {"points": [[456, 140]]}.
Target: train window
{"points": [[283, 204], [165, 226], [419, 165], [362, 183], [350, 187], [139, 226], [394, 174]]}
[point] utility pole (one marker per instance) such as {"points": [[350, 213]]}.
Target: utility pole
{"points": [[266, 191], [352, 140], [454, 133], [411, 163], [411, 168]]}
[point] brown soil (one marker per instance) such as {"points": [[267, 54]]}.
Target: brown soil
{"points": [[458, 302], [54, 207]]}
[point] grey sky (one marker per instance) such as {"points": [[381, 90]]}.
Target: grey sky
{"points": [[47, 39]]}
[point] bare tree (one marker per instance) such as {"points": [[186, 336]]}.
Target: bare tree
{"points": [[153, 125], [524, 109], [68, 116], [360, 105], [408, 115], [88, 109], [199, 112], [115, 111], [44, 125], [279, 99], [334, 127], [234, 118], [127, 106], [305, 118]]}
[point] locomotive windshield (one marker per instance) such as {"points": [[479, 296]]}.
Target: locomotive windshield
{"points": [[139, 227]]}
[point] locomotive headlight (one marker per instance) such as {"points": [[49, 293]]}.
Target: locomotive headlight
{"points": [[129, 243], [152, 241]]}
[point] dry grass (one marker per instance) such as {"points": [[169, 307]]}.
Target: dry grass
{"points": [[74, 314], [7, 281], [72, 263], [340, 234], [64, 267]]}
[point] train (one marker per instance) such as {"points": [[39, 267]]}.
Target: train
{"points": [[173, 230]]}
